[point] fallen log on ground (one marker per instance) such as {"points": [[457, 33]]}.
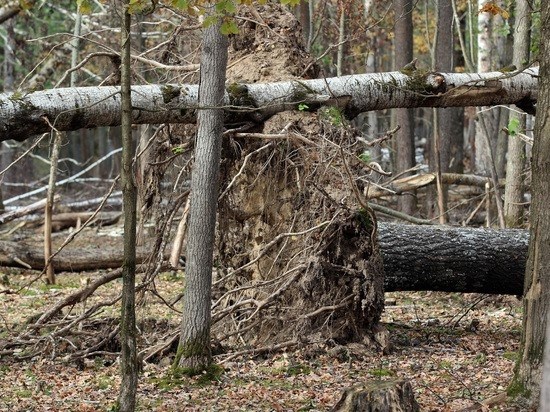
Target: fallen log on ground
{"points": [[448, 259], [416, 258]]}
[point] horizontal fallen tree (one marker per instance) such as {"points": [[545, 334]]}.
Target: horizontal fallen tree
{"points": [[416, 258], [23, 114], [442, 258]]}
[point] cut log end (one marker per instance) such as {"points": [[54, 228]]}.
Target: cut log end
{"points": [[380, 396]]}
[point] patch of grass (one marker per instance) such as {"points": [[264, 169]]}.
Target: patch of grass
{"points": [[23, 393], [103, 382], [296, 369], [381, 372], [513, 356], [445, 364], [480, 359], [177, 377]]}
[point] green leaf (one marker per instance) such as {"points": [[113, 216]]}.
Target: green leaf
{"points": [[84, 6], [290, 2], [180, 4], [226, 6], [513, 126], [229, 27], [209, 21]]}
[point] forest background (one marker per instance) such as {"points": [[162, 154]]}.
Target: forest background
{"points": [[342, 39]]}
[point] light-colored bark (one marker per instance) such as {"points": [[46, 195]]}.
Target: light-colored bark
{"points": [[128, 354], [9, 10], [194, 347], [484, 125], [513, 197], [536, 301], [88, 107]]}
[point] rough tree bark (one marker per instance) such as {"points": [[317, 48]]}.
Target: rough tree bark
{"points": [[536, 299], [404, 142], [85, 107], [513, 195], [445, 259], [128, 355], [194, 347], [448, 259]]}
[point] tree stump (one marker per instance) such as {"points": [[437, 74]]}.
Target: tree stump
{"points": [[378, 396]]}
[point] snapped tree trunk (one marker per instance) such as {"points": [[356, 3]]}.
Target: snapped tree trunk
{"points": [[194, 346]]}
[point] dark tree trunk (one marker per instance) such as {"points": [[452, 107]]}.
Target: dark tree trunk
{"points": [[415, 258], [404, 141], [448, 259], [128, 354]]}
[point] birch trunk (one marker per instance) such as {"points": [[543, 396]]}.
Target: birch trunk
{"points": [[87, 107]]}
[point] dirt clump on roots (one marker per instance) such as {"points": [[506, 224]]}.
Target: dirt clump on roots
{"points": [[297, 253]]}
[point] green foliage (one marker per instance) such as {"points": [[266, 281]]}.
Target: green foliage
{"points": [[513, 126], [84, 6], [226, 6], [229, 27], [303, 107], [365, 157], [177, 377], [381, 372], [141, 6], [333, 115]]}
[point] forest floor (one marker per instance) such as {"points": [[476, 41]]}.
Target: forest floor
{"points": [[457, 350]]}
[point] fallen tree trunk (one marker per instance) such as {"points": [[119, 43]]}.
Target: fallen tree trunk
{"points": [[450, 259], [415, 258], [24, 115]]}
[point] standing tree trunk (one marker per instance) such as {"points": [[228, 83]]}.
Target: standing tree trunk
{"points": [[128, 362], [513, 199], [440, 153], [536, 299], [405, 117], [194, 347]]}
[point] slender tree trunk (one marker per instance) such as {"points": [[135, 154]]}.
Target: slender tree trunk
{"points": [[128, 362], [513, 198], [194, 347], [404, 145], [54, 156], [341, 38], [536, 299]]}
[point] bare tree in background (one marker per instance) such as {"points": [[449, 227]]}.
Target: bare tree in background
{"points": [[404, 141]]}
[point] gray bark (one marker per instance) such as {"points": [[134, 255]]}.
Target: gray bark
{"points": [[446, 259], [513, 196], [404, 142], [443, 258], [536, 302], [128, 355], [87, 107], [194, 347]]}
